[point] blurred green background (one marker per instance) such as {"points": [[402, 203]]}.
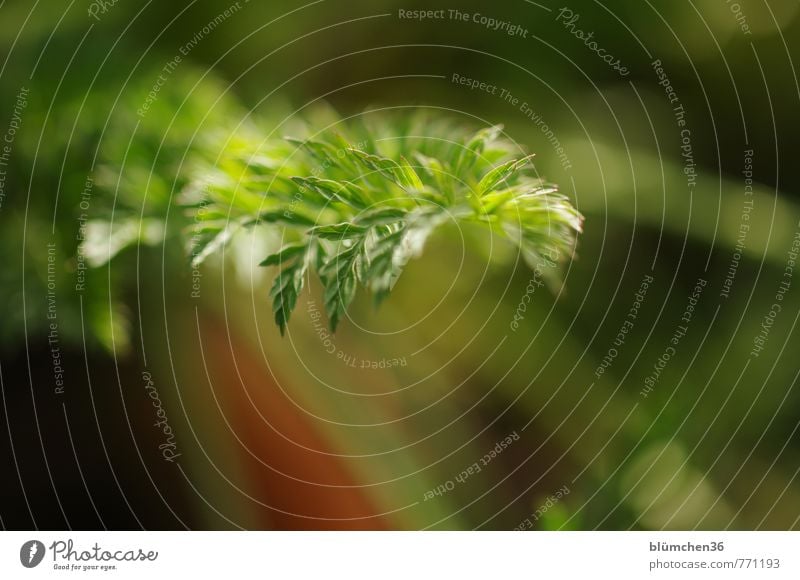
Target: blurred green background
{"points": [[281, 433]]}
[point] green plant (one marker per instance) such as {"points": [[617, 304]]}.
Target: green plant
{"points": [[354, 203]]}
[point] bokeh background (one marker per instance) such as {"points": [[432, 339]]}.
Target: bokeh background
{"points": [[279, 433]]}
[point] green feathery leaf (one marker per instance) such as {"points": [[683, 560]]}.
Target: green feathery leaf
{"points": [[287, 285], [357, 210]]}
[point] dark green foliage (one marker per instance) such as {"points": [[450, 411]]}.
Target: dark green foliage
{"points": [[288, 283]]}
